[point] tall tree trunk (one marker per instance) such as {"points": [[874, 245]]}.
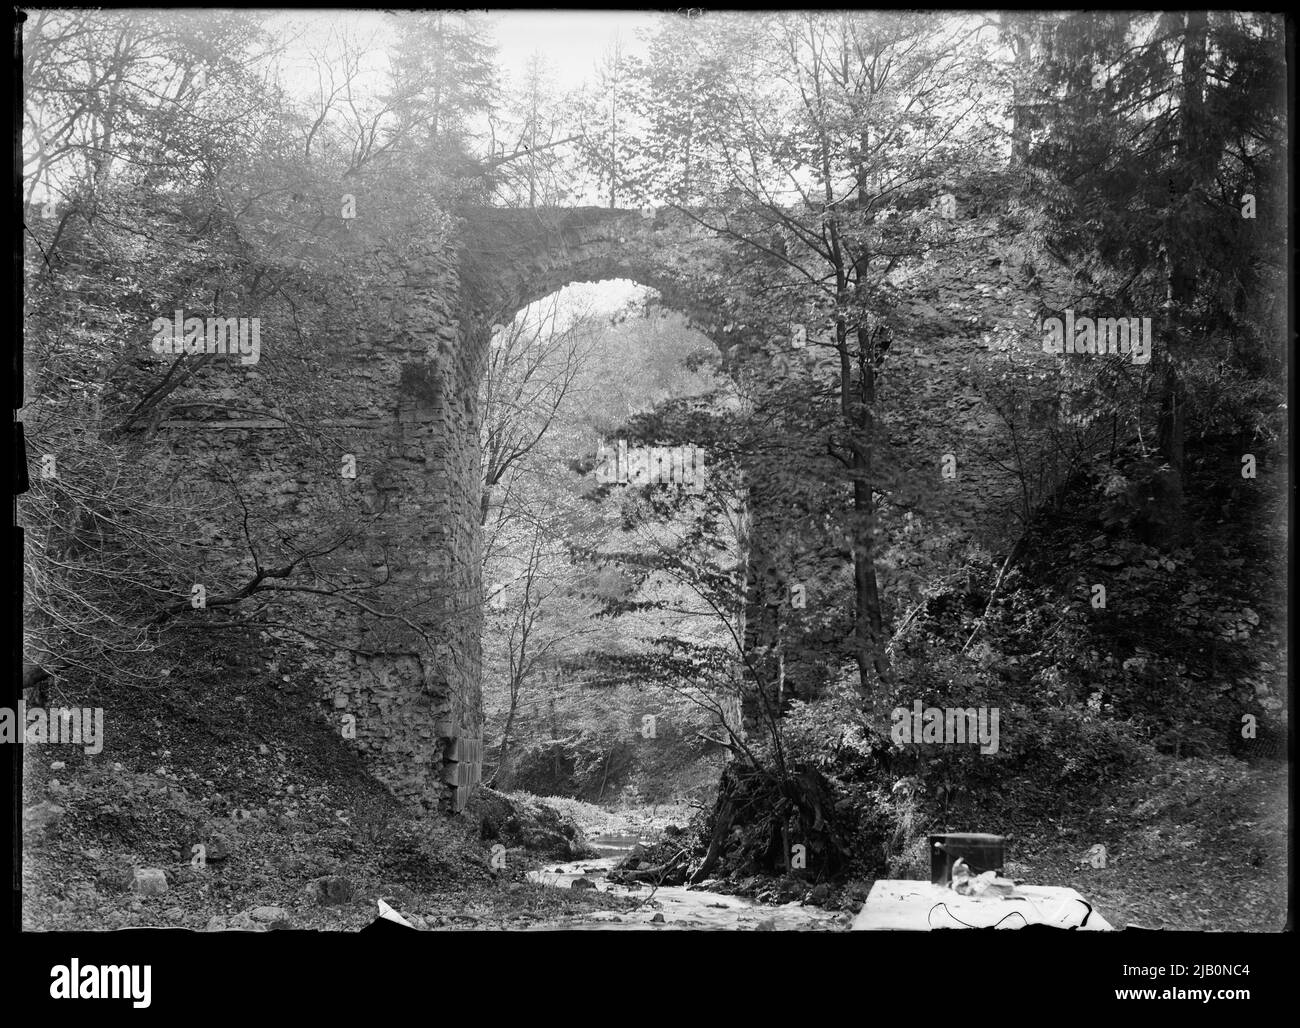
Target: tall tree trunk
{"points": [[555, 735], [759, 628], [1191, 174], [1021, 118], [869, 648], [867, 624], [505, 738], [869, 651]]}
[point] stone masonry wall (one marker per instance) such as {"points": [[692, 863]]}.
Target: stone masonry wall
{"points": [[398, 662]]}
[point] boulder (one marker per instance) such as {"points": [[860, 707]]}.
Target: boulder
{"points": [[330, 890]]}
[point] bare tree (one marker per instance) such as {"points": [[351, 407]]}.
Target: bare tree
{"points": [[532, 368]]}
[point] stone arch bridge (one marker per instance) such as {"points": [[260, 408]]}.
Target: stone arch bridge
{"points": [[405, 410]]}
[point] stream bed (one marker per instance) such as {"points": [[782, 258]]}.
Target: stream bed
{"points": [[679, 906]]}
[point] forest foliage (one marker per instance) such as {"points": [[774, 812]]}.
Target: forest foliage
{"points": [[901, 198]]}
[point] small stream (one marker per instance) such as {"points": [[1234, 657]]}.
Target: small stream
{"points": [[617, 845], [682, 907]]}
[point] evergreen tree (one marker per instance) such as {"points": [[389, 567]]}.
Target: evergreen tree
{"points": [[443, 80], [1154, 131]]}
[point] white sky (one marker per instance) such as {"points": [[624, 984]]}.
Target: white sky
{"points": [[572, 41]]}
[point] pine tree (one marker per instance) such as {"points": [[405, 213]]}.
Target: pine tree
{"points": [[443, 79], [603, 114], [1154, 130]]}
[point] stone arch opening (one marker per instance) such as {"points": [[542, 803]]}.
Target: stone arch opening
{"points": [[641, 362]]}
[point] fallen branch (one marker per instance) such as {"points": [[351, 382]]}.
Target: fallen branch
{"points": [[665, 869], [656, 873]]}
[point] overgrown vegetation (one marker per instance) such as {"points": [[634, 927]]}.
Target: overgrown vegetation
{"points": [[910, 502]]}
